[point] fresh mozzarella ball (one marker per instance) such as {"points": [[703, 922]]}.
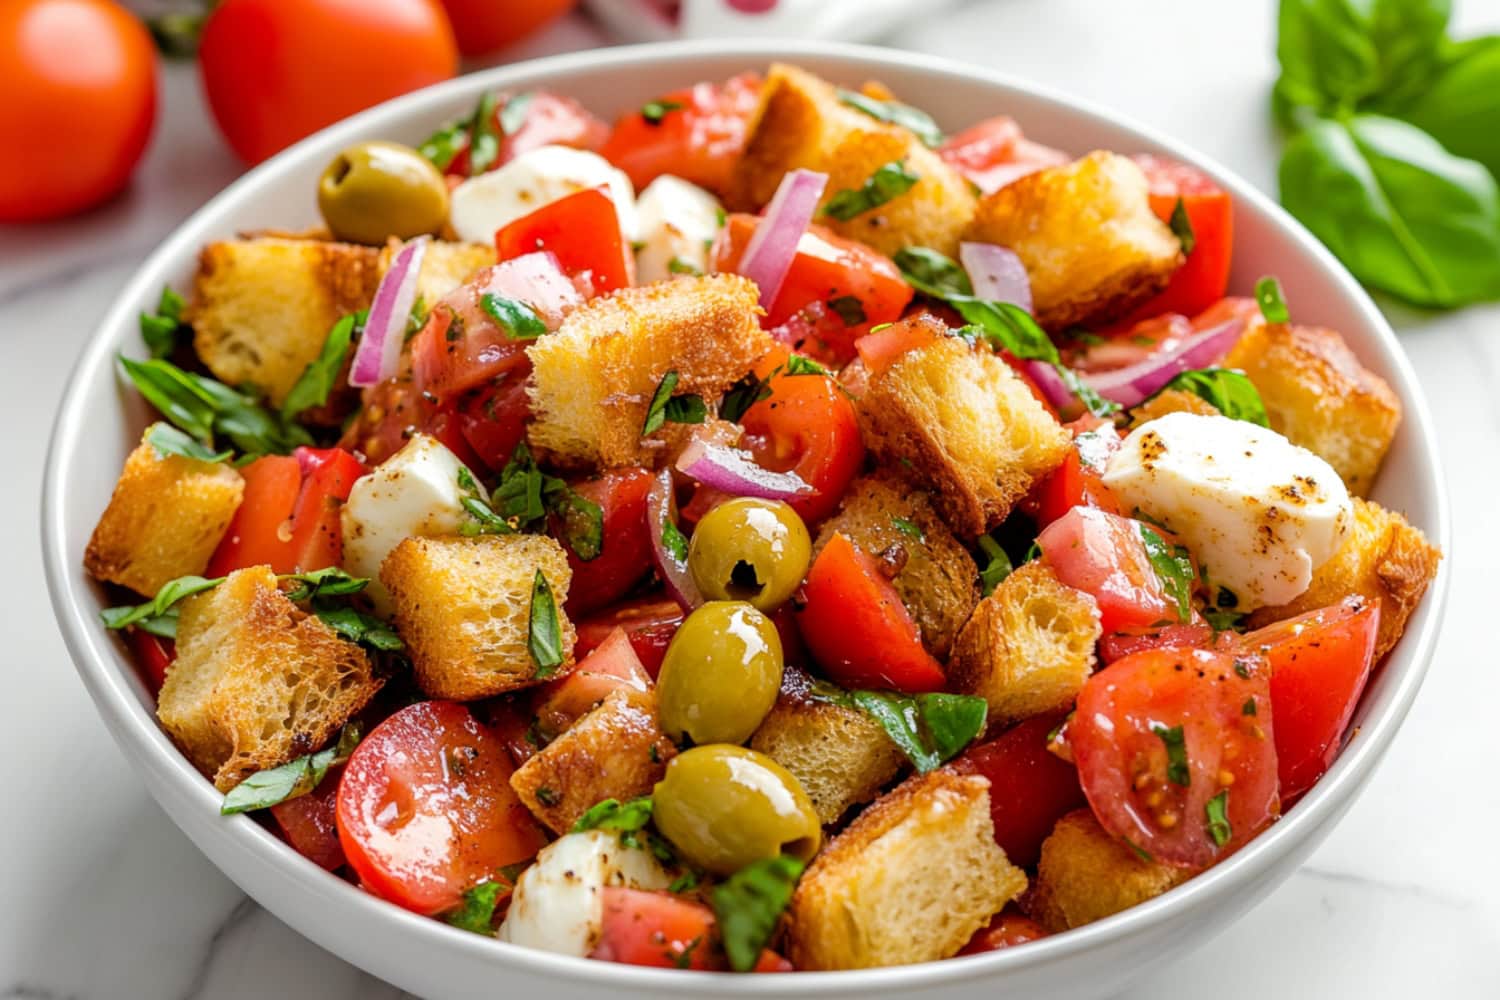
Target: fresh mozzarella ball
{"points": [[678, 222], [558, 903], [481, 205], [1258, 512]]}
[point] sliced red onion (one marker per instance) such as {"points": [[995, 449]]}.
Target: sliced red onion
{"points": [[996, 273], [379, 352], [1135, 383], [732, 471], [661, 510], [1050, 381], [773, 246]]}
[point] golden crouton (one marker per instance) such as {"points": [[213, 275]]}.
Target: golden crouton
{"points": [[1087, 235], [164, 520], [1029, 646], [801, 122], [1383, 559], [615, 751], [938, 581], [262, 307], [1171, 401], [960, 422], [1318, 394], [463, 606], [1087, 875], [257, 681], [445, 266], [909, 880], [594, 378]]}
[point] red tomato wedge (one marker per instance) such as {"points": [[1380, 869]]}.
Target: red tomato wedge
{"points": [[289, 517], [698, 137], [549, 120], [1079, 481], [993, 153], [492, 418], [1320, 662], [153, 654], [582, 231], [392, 412], [1201, 281], [1005, 930], [665, 931], [856, 627], [1102, 555], [625, 555], [883, 348], [612, 665], [807, 425], [1176, 752], [1118, 645], [309, 824], [426, 811], [648, 623]]}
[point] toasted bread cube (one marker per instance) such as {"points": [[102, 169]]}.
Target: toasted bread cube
{"points": [[463, 606], [1171, 401], [262, 307], [1383, 558], [909, 880], [257, 681], [1318, 394], [938, 581], [801, 122], [1029, 647], [960, 422], [1087, 235], [164, 520], [1086, 875], [593, 379], [445, 266], [615, 751]]}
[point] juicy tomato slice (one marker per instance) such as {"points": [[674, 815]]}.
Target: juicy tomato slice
{"points": [[699, 141], [1118, 645], [648, 623], [153, 654], [551, 120], [289, 517], [625, 554], [1201, 281], [1079, 480], [883, 348], [583, 232], [856, 627], [425, 808], [807, 425], [1005, 930], [1320, 662], [665, 931], [1031, 788], [613, 664], [993, 153], [492, 418], [1154, 790], [328, 476], [1102, 554], [308, 822]]}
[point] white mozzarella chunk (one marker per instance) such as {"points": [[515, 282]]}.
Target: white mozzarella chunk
{"points": [[481, 205], [678, 222], [558, 903], [1258, 512]]}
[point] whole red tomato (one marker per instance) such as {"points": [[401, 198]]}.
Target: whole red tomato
{"points": [[277, 71], [78, 79], [486, 25]]}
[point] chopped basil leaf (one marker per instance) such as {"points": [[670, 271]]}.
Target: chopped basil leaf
{"points": [[170, 593], [849, 309], [582, 523], [1229, 392], [1242, 668], [483, 521], [1087, 338], [890, 180], [477, 912], [161, 329], [908, 528], [544, 633], [1006, 326], [742, 395], [674, 541], [996, 568], [1139, 851], [655, 111], [929, 728], [796, 364], [547, 796], [202, 407], [366, 630], [513, 115], [1216, 811], [1173, 568], [516, 319], [523, 499], [317, 379], [914, 120], [1272, 303], [447, 142], [1224, 621], [684, 958], [1178, 772], [1033, 553], [1249, 707], [1182, 227], [688, 409], [679, 266], [685, 882], [292, 779], [168, 440], [932, 273], [611, 814], [330, 582], [748, 905], [484, 141]]}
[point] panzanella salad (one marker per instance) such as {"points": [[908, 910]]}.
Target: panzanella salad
{"points": [[764, 534]]}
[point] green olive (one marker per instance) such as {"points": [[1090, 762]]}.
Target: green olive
{"points": [[750, 550], [374, 190], [724, 806], [720, 675]]}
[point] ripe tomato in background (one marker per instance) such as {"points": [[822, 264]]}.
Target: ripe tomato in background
{"points": [[78, 79], [276, 71], [486, 25]]}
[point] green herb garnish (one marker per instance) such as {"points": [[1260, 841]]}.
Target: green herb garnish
{"points": [[484, 140], [908, 528], [929, 728], [1230, 392], [477, 912], [915, 120], [749, 903], [679, 266], [687, 409], [292, 779], [1272, 305], [317, 380], [1173, 568], [932, 273], [849, 309], [203, 407], [797, 364], [516, 319], [891, 180], [655, 111], [1216, 811], [1178, 772], [163, 329], [627, 818], [513, 114], [997, 564], [1182, 227], [168, 440], [544, 633], [742, 395]]}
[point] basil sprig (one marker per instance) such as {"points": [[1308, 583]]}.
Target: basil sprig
{"points": [[890, 180], [291, 780], [684, 409], [164, 328], [168, 440], [202, 407], [523, 498], [748, 904], [1173, 568], [317, 380], [1228, 391], [914, 120], [543, 631], [929, 728], [159, 615]]}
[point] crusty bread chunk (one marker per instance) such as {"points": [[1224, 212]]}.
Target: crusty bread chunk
{"points": [[445, 266], [593, 379], [1171, 401], [615, 751], [959, 422], [1318, 394], [801, 122], [1383, 558], [164, 520], [262, 307], [257, 681], [1086, 875], [909, 880], [463, 607], [938, 581], [1029, 646], [1087, 235]]}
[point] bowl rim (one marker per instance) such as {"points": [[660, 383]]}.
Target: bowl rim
{"points": [[95, 654]]}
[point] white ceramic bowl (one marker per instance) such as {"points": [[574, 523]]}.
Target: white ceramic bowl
{"points": [[99, 421]]}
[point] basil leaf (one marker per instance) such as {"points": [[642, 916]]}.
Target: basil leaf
{"points": [[1224, 621], [477, 911], [748, 904], [582, 524], [674, 541], [442, 146], [1230, 392], [292, 779], [544, 634], [1182, 227], [687, 409], [1173, 568], [317, 379], [611, 814], [162, 329], [484, 141], [202, 407], [170, 593], [519, 494], [1178, 772], [168, 440], [484, 520], [1401, 212], [1272, 303], [655, 111], [660, 409], [890, 180], [1216, 812], [679, 266], [329, 582], [1006, 326], [932, 273], [366, 630], [742, 395], [914, 120], [515, 112], [849, 309], [997, 564], [1459, 108], [929, 728], [175, 396], [908, 528], [516, 319]]}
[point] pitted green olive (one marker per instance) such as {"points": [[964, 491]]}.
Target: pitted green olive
{"points": [[375, 190], [723, 807], [720, 675], [750, 550]]}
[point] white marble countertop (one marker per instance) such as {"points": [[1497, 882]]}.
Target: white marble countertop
{"points": [[101, 898]]}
